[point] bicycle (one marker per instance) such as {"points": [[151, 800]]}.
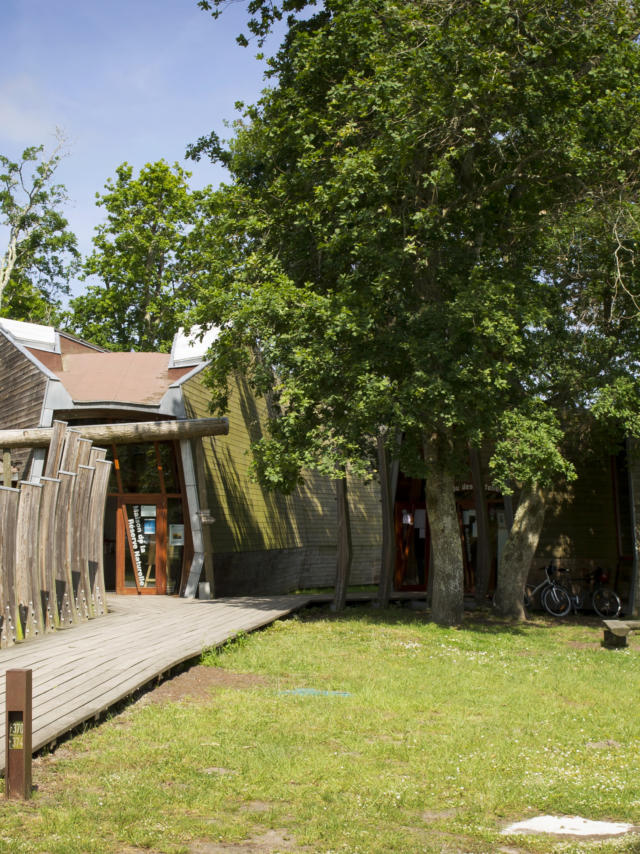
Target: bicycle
{"points": [[553, 596], [604, 601]]}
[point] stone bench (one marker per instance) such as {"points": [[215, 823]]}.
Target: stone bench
{"points": [[616, 632]]}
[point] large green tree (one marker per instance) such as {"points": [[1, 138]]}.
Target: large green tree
{"points": [[393, 235], [140, 258], [41, 252]]}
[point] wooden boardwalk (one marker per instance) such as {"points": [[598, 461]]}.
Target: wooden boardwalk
{"points": [[80, 672]]}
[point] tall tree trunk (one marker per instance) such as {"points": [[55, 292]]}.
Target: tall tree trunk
{"points": [[344, 551], [483, 551], [518, 553], [447, 603], [8, 262], [388, 482]]}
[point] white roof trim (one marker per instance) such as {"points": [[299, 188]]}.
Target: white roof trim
{"points": [[190, 348], [32, 334], [28, 355]]}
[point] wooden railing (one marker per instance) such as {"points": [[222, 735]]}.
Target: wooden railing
{"points": [[51, 540]]}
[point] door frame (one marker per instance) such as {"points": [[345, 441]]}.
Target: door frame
{"points": [[123, 542]]}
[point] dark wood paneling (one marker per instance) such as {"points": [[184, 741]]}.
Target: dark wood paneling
{"points": [[22, 390]]}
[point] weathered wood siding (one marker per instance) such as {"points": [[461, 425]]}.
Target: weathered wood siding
{"points": [[22, 390], [580, 530], [265, 542]]}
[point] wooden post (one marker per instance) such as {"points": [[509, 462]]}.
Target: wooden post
{"points": [[29, 622], [203, 500], [18, 734], [344, 553], [6, 468], [64, 586], [84, 452], [46, 551], [387, 562], [78, 543], [483, 553], [71, 451], [95, 530], [633, 467], [56, 445], [9, 499]]}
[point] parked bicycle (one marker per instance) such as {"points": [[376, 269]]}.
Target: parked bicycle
{"points": [[552, 595], [591, 591]]}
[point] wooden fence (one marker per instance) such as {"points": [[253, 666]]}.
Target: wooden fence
{"points": [[51, 540]]}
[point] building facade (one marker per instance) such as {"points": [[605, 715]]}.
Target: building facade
{"points": [[179, 513]]}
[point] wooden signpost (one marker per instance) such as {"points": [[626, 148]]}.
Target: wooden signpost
{"points": [[18, 733]]}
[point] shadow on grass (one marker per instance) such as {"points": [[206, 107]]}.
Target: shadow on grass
{"points": [[478, 621]]}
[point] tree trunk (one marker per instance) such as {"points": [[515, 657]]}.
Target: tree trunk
{"points": [[447, 604], [344, 553], [518, 553], [8, 262], [387, 558], [483, 552]]}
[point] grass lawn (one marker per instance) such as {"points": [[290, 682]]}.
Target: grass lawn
{"points": [[375, 731]]}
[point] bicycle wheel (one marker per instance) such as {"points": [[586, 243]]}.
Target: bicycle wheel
{"points": [[528, 596], [556, 601], [606, 603]]}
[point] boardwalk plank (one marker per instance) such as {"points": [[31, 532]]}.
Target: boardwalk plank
{"points": [[80, 672]]}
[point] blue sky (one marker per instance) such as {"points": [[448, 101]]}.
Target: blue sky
{"points": [[134, 80]]}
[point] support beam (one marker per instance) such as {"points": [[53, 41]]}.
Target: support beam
{"points": [[121, 434]]}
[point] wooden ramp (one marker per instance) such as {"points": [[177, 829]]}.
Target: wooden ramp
{"points": [[81, 671]]}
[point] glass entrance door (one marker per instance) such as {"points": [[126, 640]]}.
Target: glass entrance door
{"points": [[141, 547]]}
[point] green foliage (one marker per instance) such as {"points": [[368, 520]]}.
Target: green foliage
{"points": [[41, 253], [265, 13], [530, 441], [402, 247], [142, 257]]}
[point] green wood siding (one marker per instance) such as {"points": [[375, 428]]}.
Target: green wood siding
{"points": [[302, 526]]}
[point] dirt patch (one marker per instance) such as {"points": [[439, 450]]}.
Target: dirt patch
{"points": [[257, 806], [197, 682], [437, 815], [584, 645], [271, 841]]}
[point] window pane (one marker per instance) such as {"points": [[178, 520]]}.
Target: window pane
{"points": [[141, 519], [138, 468], [168, 463]]}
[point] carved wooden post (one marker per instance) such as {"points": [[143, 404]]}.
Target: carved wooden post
{"points": [[70, 453], [8, 519], [77, 543], [47, 549], [96, 454], [64, 586], [29, 621], [83, 452], [56, 446], [95, 531]]}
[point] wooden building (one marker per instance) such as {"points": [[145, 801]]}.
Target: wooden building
{"points": [[179, 512], [587, 525]]}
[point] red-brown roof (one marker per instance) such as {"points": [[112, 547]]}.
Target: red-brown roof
{"points": [[118, 377]]}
